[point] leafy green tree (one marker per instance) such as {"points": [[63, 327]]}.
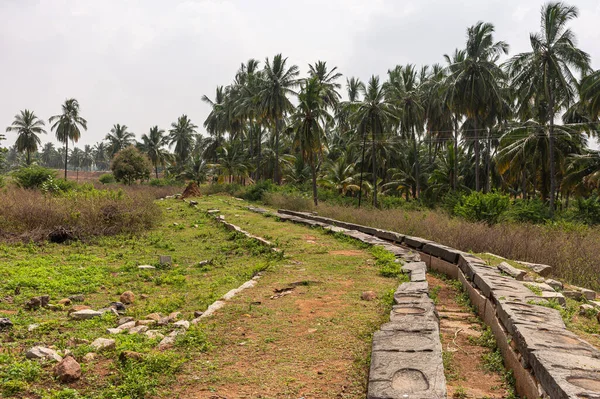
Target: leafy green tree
{"points": [[546, 71], [68, 126], [182, 136], [308, 123], [27, 126], [153, 145], [129, 165], [276, 86], [119, 138]]}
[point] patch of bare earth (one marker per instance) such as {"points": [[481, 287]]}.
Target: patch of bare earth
{"points": [[467, 377]]}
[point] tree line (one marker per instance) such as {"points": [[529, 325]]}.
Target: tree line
{"points": [[470, 123]]}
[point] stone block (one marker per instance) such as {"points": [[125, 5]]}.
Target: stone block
{"points": [[515, 273], [443, 266], [477, 299], [441, 251], [415, 242], [413, 288]]}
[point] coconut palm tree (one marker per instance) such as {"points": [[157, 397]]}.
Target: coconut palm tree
{"points": [[27, 126], [372, 116], [182, 135], [476, 80], [546, 72], [308, 123], [68, 126], [119, 138], [87, 157], [48, 155], [327, 79], [152, 145], [276, 86], [101, 155]]}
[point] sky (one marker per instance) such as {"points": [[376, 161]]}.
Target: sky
{"points": [[146, 62]]}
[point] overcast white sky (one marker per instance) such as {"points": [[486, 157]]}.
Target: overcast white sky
{"points": [[145, 62]]}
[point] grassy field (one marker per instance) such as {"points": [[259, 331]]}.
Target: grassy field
{"points": [[314, 341]]}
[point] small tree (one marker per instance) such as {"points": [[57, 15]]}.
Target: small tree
{"points": [[130, 165]]}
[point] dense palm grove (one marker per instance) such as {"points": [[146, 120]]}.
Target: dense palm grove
{"points": [[520, 126]]}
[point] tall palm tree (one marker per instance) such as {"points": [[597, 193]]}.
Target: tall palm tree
{"points": [[76, 160], [119, 138], [153, 145], [308, 124], [476, 80], [48, 154], [277, 85], [327, 79], [101, 155], [546, 71], [27, 126], [87, 157], [182, 136], [68, 126], [373, 114]]}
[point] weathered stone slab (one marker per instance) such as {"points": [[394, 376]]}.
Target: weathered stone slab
{"points": [[417, 325], [408, 299], [417, 276], [565, 375], [515, 273], [415, 242], [413, 266], [401, 341], [407, 313], [493, 282], [441, 251], [542, 270], [396, 375], [443, 266], [416, 288], [512, 313]]}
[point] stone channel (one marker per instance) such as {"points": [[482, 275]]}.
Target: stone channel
{"points": [[547, 360]]}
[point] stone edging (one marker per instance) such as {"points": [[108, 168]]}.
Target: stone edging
{"points": [[548, 361], [406, 357]]}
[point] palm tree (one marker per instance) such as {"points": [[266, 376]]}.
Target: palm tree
{"points": [[182, 135], [67, 126], [308, 124], [545, 71], [87, 157], [277, 84], [373, 114], [48, 154], [153, 145], [101, 155], [327, 80], [197, 170], [27, 126], [76, 160], [476, 80], [119, 138]]}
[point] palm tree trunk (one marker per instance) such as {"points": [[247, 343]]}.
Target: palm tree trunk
{"points": [[455, 179], [156, 170], [314, 179], [276, 171], [551, 155], [362, 163], [477, 187], [66, 156], [417, 165], [486, 187], [28, 158], [374, 162]]}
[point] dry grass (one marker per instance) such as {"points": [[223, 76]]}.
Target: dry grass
{"points": [[573, 252], [31, 215]]}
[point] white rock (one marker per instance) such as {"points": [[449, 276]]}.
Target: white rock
{"points": [[85, 314], [114, 330], [127, 326], [557, 285], [146, 267], [32, 327], [152, 334], [40, 352], [182, 324], [138, 329], [103, 343]]}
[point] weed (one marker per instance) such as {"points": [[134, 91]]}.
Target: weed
{"points": [[434, 293], [534, 288]]}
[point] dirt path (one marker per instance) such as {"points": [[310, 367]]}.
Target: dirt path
{"points": [[465, 345], [303, 331]]}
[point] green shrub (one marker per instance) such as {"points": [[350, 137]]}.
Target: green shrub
{"points": [[586, 210], [32, 177], [107, 178], [479, 207], [256, 191], [532, 211], [2, 182], [130, 165], [166, 182]]}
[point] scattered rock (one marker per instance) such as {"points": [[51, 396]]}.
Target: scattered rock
{"points": [[40, 352], [77, 308], [576, 295], [89, 357], [168, 340], [198, 313], [32, 327], [72, 342], [212, 211], [68, 370], [124, 320], [557, 285], [114, 330], [143, 296], [517, 274], [174, 316], [127, 326], [54, 308], [33, 304], [145, 322], [77, 298], [528, 278], [154, 316], [542, 270], [118, 306], [175, 224], [192, 203], [85, 314], [103, 344], [587, 294], [45, 300], [182, 324], [152, 334], [127, 297], [585, 309], [368, 296], [146, 267], [5, 324], [138, 330], [165, 260], [65, 302], [131, 355]]}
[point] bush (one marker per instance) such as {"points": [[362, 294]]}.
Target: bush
{"points": [[107, 178], [32, 177], [479, 207], [586, 210], [2, 182], [130, 165], [166, 182], [286, 201], [256, 191], [532, 211]]}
